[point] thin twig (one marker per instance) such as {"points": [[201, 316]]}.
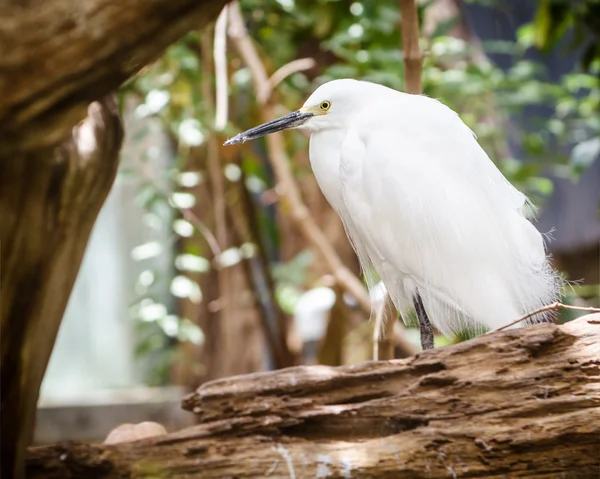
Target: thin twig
{"points": [[239, 34], [204, 230], [282, 73], [220, 56], [278, 158], [543, 309], [213, 163]]}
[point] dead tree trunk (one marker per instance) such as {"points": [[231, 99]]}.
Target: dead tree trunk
{"points": [[519, 403], [58, 59]]}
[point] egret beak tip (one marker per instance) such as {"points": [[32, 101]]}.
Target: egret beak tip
{"points": [[232, 141]]}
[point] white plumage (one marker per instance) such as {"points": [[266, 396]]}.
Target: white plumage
{"points": [[424, 206]]}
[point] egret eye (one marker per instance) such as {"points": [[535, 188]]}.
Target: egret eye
{"points": [[325, 105]]}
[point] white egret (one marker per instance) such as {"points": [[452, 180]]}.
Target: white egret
{"points": [[423, 206]]}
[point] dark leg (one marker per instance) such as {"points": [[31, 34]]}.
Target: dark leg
{"points": [[424, 324]]}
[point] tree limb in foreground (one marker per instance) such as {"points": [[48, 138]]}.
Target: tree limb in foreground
{"points": [[49, 202], [518, 403], [58, 56], [60, 136]]}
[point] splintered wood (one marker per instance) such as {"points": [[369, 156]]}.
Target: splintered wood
{"points": [[518, 403]]}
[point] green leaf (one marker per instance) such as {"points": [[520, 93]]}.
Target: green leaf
{"points": [[543, 186], [526, 35]]}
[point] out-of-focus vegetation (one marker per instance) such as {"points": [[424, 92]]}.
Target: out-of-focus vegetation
{"points": [[555, 19], [346, 39]]}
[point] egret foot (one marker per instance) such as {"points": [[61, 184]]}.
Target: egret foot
{"points": [[424, 324]]}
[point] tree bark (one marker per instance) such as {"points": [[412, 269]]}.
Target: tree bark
{"points": [[57, 59], [58, 56], [518, 403], [48, 204], [413, 60]]}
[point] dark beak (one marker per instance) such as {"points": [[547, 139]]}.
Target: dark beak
{"points": [[293, 120]]}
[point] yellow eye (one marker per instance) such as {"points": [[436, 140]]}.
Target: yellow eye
{"points": [[325, 105]]}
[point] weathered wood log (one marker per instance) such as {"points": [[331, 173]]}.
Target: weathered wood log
{"points": [[518, 403]]}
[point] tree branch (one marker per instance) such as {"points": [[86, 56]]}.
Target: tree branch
{"points": [[220, 59], [282, 73], [413, 59], [49, 203], [60, 55]]}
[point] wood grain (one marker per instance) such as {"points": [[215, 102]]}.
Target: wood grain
{"points": [[49, 201], [58, 56], [520, 403]]}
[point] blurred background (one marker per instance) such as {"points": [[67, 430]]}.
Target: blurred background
{"points": [[203, 264]]}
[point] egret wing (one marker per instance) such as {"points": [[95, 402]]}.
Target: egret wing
{"points": [[435, 214]]}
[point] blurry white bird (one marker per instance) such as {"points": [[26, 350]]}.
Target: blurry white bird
{"points": [[423, 206]]}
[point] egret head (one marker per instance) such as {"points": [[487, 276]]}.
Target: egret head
{"points": [[327, 107]]}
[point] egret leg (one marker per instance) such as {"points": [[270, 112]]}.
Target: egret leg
{"points": [[424, 323]]}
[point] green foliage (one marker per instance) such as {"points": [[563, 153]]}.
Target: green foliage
{"points": [[555, 18], [362, 40]]}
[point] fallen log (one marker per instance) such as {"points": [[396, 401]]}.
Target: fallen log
{"points": [[518, 403]]}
